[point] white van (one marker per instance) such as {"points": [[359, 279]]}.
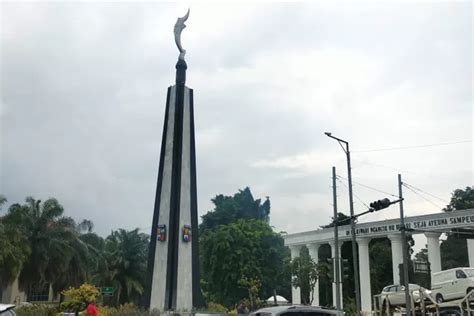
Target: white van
{"points": [[452, 284]]}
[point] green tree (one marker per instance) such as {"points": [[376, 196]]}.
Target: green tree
{"points": [[380, 264], [126, 254], [48, 235], [14, 251], [325, 280], [342, 219], [3, 200], [86, 260], [253, 288], [422, 255], [245, 248], [228, 209], [461, 200], [55, 253], [78, 298], [422, 278], [305, 275], [454, 248]]}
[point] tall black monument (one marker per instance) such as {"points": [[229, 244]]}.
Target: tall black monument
{"points": [[173, 263]]}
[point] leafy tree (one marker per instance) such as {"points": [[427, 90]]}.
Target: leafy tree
{"points": [[422, 255], [14, 251], [78, 298], [305, 275], [380, 254], [454, 252], [86, 260], [454, 248], [461, 200], [126, 254], [253, 287], [228, 209], [3, 200], [247, 248], [422, 278], [325, 275], [342, 219], [49, 237], [55, 253]]}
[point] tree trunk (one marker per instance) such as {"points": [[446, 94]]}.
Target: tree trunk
{"points": [[119, 292]]}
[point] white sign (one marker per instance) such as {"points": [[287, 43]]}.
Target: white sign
{"points": [[456, 221]]}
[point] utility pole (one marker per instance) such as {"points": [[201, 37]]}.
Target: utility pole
{"points": [[355, 257], [353, 234], [337, 275], [404, 249]]}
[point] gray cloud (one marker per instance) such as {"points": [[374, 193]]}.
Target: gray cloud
{"points": [[84, 86]]}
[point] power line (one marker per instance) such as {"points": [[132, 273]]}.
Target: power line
{"points": [[414, 147], [357, 197], [432, 195], [371, 188], [424, 198], [391, 168]]}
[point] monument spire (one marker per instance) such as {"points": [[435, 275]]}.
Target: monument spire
{"points": [[173, 263], [181, 64], [178, 28]]}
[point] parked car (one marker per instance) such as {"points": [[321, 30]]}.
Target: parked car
{"points": [[296, 310], [7, 310], [394, 295], [452, 284]]}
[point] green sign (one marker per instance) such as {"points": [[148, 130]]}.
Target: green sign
{"points": [[107, 290]]}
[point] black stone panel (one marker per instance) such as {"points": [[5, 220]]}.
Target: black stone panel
{"points": [[156, 210]]}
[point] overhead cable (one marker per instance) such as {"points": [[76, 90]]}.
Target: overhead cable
{"points": [[432, 195], [371, 188], [424, 198], [391, 168], [357, 197], [415, 146]]}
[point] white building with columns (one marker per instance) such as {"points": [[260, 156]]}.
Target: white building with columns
{"points": [[432, 226]]}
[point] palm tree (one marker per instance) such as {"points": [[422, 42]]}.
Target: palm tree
{"points": [[126, 254], [14, 251], [58, 255], [87, 258]]}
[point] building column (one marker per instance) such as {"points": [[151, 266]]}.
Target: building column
{"points": [[397, 256], [364, 273], [333, 255], [434, 254], [470, 251], [295, 291], [313, 252]]}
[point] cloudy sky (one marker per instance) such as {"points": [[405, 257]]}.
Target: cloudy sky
{"points": [[83, 90]]}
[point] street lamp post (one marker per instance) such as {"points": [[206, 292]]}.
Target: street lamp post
{"points": [[351, 207], [404, 249], [337, 275]]}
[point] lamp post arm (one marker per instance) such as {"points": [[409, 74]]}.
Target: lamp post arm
{"points": [[346, 150]]}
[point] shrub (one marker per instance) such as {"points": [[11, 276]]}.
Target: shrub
{"points": [[36, 310], [78, 298], [123, 310], [216, 308]]}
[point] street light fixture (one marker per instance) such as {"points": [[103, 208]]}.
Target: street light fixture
{"points": [[351, 207]]}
